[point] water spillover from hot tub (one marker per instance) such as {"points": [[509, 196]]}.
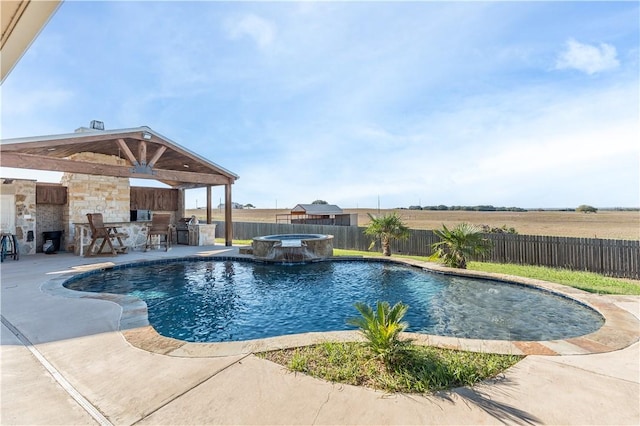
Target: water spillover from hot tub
{"points": [[293, 248]]}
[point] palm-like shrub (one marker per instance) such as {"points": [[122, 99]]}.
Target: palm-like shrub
{"points": [[382, 328], [457, 245], [385, 229]]}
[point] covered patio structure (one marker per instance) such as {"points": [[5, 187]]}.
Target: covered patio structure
{"points": [[108, 158]]}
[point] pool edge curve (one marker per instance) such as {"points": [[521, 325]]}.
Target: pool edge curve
{"points": [[620, 329]]}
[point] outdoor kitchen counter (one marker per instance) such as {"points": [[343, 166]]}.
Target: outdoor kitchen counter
{"points": [[136, 231], [202, 234]]}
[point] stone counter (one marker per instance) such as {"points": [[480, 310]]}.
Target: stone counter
{"points": [[202, 234], [199, 235], [136, 240]]}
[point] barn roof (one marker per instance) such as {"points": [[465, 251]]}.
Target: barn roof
{"points": [[317, 209], [149, 154]]}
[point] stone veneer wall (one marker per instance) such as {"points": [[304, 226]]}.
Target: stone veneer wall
{"points": [[50, 217], [25, 198], [95, 194]]}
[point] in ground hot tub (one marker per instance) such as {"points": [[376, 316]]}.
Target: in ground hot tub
{"points": [[293, 247]]}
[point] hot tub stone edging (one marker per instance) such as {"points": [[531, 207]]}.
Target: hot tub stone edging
{"points": [[313, 247]]}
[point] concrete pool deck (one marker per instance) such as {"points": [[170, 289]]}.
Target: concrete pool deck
{"points": [[66, 361]]}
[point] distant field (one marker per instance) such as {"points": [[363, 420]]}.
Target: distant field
{"points": [[604, 224]]}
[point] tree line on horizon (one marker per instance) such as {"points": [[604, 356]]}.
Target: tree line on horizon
{"points": [[480, 208], [489, 208], [584, 208]]}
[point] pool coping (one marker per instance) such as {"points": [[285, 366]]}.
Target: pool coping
{"points": [[620, 329]]}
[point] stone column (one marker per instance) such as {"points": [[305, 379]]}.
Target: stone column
{"points": [[95, 194]]}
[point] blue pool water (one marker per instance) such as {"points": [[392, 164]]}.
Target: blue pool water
{"points": [[216, 301]]}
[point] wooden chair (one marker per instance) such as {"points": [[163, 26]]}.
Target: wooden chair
{"points": [[107, 234], [160, 227]]}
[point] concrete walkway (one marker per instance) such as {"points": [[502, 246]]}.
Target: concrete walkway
{"points": [[64, 361]]}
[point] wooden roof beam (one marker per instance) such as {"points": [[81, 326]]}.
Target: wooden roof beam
{"points": [[70, 141], [157, 156], [127, 152], [139, 165], [142, 152], [39, 162]]}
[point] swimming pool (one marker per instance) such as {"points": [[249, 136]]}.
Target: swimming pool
{"points": [[233, 300]]}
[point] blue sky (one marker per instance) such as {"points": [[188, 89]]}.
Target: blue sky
{"points": [[528, 104]]}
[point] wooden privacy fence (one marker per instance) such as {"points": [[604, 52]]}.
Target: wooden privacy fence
{"points": [[616, 258]]}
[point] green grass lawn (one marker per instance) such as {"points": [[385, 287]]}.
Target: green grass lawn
{"points": [[587, 281], [419, 369]]}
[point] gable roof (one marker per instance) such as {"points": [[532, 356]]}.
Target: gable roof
{"points": [[149, 154], [318, 209]]}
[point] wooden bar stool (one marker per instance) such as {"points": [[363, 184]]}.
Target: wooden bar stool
{"points": [[107, 233]]}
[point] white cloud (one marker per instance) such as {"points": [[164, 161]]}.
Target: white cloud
{"points": [[263, 32], [588, 58]]}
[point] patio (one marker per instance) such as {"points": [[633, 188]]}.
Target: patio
{"points": [[77, 368]]}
